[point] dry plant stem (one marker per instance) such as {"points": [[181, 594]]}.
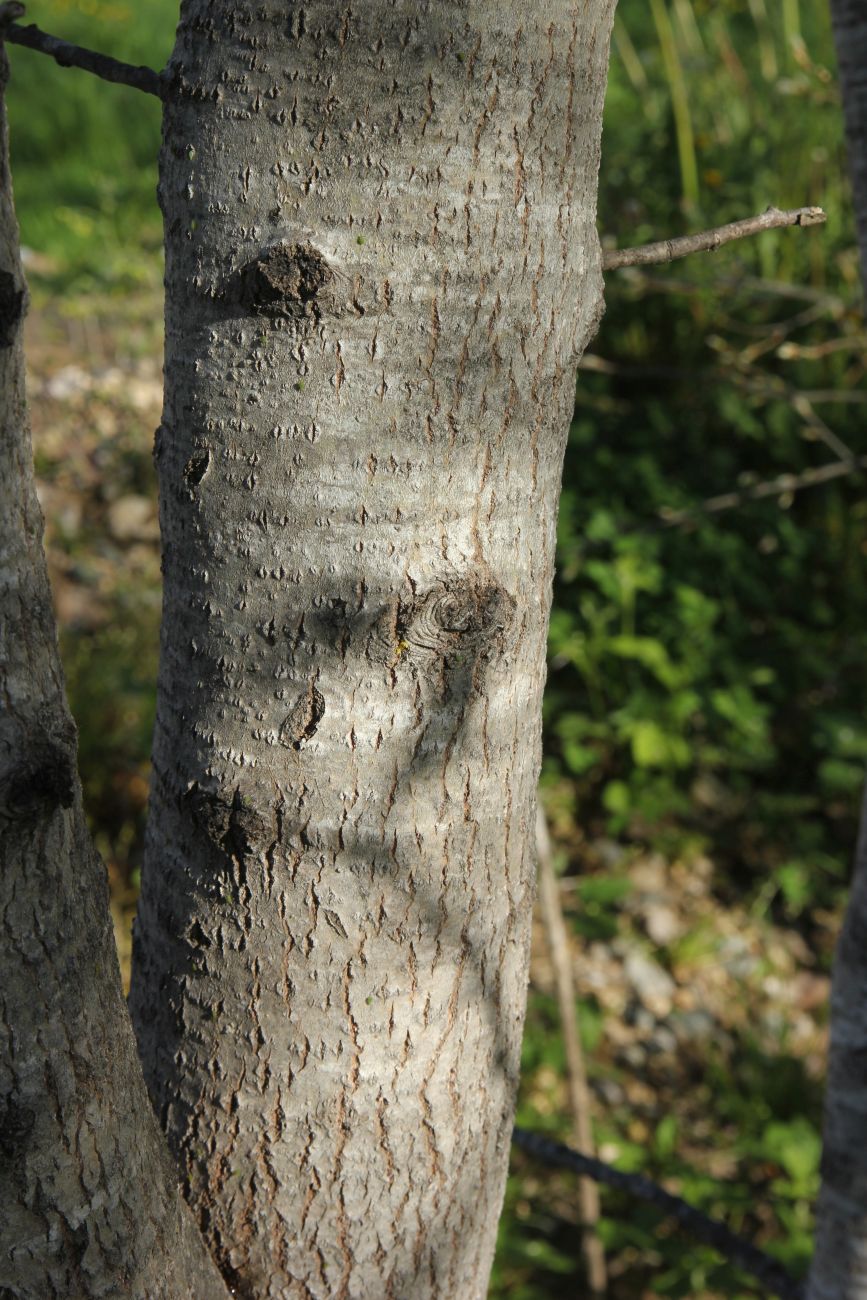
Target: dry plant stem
{"points": [[579, 1094], [75, 56], [707, 241], [778, 486]]}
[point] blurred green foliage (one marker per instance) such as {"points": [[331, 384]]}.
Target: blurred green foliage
{"points": [[707, 684], [84, 152], [110, 673], [707, 687]]}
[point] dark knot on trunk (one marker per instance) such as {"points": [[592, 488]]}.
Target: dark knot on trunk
{"points": [[285, 280], [12, 300]]}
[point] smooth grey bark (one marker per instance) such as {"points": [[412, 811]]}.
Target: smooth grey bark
{"points": [[89, 1202], [839, 1268], [382, 268]]}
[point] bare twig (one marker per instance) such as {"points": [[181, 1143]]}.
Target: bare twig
{"points": [[779, 486], [579, 1096], [713, 1232], [74, 56], [727, 286], [706, 241], [766, 386], [774, 386]]}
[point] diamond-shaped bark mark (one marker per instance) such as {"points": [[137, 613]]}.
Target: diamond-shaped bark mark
{"points": [[197, 467], [304, 718]]}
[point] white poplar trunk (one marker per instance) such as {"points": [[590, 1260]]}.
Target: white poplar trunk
{"points": [[382, 267], [89, 1202]]}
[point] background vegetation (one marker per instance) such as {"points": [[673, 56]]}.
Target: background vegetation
{"points": [[706, 727]]}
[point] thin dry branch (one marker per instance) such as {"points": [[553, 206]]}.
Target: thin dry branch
{"points": [[75, 56], [707, 241], [782, 485], [579, 1093]]}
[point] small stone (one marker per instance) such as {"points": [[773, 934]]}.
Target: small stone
{"points": [[811, 991], [736, 956], [609, 851], [609, 1091], [662, 1041], [640, 1019], [650, 874], [133, 518], [634, 1056], [651, 983], [69, 381], [692, 1026], [662, 924], [143, 394], [773, 1022]]}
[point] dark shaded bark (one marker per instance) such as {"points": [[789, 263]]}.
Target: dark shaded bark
{"points": [[839, 1269], [89, 1203], [850, 38], [382, 267]]}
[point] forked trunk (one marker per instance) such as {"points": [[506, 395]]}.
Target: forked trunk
{"points": [[382, 267]]}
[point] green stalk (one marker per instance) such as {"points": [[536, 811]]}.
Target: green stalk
{"points": [[679, 102], [689, 28], [767, 53], [628, 55], [791, 27]]}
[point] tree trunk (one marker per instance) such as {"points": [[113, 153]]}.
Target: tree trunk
{"points": [[382, 267], [89, 1204], [850, 38], [839, 1270]]}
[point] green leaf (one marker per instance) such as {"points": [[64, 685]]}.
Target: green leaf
{"points": [[616, 798], [653, 747], [579, 758], [665, 1137]]}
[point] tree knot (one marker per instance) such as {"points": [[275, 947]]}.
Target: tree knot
{"points": [[285, 280], [40, 780], [12, 302], [466, 612]]}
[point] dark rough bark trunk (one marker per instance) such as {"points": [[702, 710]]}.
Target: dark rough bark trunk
{"points": [[89, 1203], [839, 1270], [850, 38], [382, 267]]}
